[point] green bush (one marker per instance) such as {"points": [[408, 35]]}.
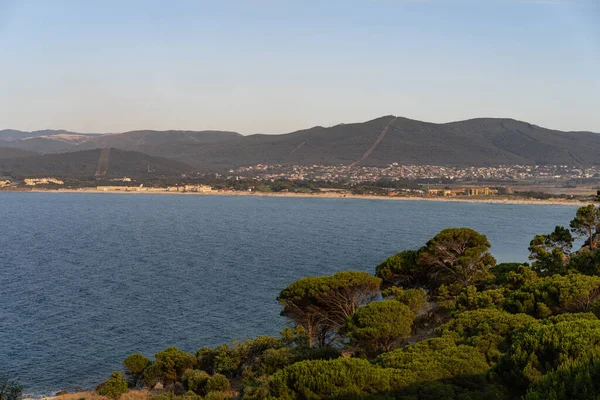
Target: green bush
{"points": [[578, 379], [488, 330], [555, 294], [10, 390], [378, 326], [340, 378], [114, 387], [195, 380], [171, 363], [217, 383], [471, 299], [135, 364], [402, 269], [545, 346], [415, 299], [435, 359], [215, 396]]}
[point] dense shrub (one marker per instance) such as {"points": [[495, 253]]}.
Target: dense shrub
{"points": [[10, 390], [416, 300], [434, 359], [544, 346], [402, 269], [378, 326], [579, 379], [471, 299], [215, 396], [502, 271], [217, 383], [135, 365], [233, 361], [195, 380], [114, 387], [171, 363], [488, 330], [340, 378], [555, 294]]}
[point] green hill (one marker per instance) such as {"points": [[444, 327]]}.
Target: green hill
{"points": [[109, 163], [477, 142]]}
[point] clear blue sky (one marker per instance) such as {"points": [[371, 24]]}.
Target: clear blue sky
{"points": [[277, 66]]}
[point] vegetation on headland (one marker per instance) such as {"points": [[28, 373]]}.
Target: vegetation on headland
{"points": [[440, 322]]}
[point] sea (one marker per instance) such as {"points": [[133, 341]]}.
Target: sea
{"points": [[87, 279]]}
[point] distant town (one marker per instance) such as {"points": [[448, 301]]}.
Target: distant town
{"points": [[359, 174], [395, 180]]}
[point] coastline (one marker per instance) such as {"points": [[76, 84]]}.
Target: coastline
{"points": [[330, 195]]}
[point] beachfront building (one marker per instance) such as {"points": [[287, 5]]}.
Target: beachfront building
{"points": [[480, 191], [190, 188], [42, 181]]}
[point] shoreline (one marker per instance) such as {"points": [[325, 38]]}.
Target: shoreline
{"points": [[327, 195]]}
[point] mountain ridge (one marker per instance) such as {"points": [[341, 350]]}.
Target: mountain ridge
{"points": [[483, 141]]}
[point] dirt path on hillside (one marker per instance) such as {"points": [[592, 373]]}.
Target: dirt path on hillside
{"points": [[375, 144]]}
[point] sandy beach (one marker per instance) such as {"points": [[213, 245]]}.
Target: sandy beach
{"points": [[335, 195]]}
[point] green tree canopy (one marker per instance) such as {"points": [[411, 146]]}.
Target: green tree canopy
{"points": [[545, 346], [171, 363], [343, 378], [586, 261], [555, 294], [434, 359], [195, 380], [551, 253], [10, 390], [415, 299], [457, 257], [579, 379], [217, 383], [488, 330], [586, 224], [322, 304], [114, 387], [378, 326], [135, 364], [402, 269]]}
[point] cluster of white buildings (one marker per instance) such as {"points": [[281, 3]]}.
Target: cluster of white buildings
{"points": [[395, 171], [42, 181]]}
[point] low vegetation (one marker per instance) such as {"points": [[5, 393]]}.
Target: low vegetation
{"points": [[444, 321]]}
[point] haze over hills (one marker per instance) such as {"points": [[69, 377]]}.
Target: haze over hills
{"points": [[379, 142]]}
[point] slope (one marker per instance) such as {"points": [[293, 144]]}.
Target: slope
{"points": [[7, 152], [86, 164], [156, 140], [385, 140]]}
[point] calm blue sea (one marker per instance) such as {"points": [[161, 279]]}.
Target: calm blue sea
{"points": [[86, 279]]}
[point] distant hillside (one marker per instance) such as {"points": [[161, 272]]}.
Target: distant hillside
{"points": [[12, 134], [107, 162], [63, 141], [40, 144], [477, 142], [6, 152], [379, 142], [141, 140]]}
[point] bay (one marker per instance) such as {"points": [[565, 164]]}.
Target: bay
{"points": [[87, 279]]}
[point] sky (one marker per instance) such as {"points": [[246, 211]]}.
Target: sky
{"points": [[275, 66]]}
